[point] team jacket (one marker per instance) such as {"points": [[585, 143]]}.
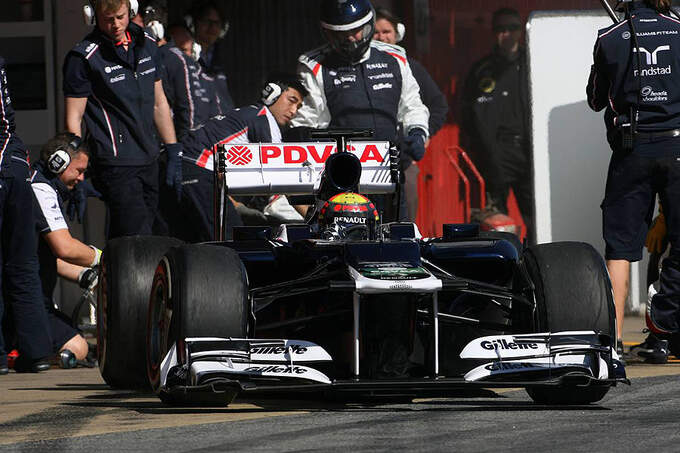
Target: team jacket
{"points": [[616, 78], [192, 94], [378, 93], [120, 104], [216, 70], [252, 124], [48, 204], [10, 143]]}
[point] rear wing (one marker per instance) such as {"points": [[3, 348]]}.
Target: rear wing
{"points": [[296, 168]]}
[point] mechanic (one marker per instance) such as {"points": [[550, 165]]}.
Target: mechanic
{"points": [[207, 24], [355, 82], [259, 123], [112, 80], [389, 29], [190, 92], [18, 259], [496, 118], [62, 165], [642, 117]]}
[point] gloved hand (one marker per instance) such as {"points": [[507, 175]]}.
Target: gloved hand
{"points": [[97, 256], [414, 144], [656, 236], [78, 201], [173, 177], [88, 278]]}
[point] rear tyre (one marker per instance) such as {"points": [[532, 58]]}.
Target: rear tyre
{"points": [[573, 292], [198, 290], [124, 284]]}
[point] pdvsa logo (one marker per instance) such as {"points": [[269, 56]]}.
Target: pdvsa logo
{"points": [[239, 155]]}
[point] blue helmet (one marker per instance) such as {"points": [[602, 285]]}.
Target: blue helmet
{"points": [[338, 17]]}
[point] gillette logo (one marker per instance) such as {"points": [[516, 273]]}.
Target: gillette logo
{"points": [[295, 349], [503, 344], [506, 366], [276, 369]]}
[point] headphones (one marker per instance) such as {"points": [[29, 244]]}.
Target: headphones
{"points": [[401, 31], [155, 25], [60, 159], [271, 93], [189, 23], [89, 11]]}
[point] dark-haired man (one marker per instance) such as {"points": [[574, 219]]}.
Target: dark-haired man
{"points": [[62, 165], [208, 25], [496, 118], [258, 123]]}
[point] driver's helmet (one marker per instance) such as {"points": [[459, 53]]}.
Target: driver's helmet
{"points": [[342, 18], [348, 215]]}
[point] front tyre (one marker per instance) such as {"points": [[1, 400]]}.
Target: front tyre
{"points": [[573, 292], [198, 290]]}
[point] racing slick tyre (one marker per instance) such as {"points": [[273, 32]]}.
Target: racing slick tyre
{"points": [[573, 292], [198, 290], [127, 270]]}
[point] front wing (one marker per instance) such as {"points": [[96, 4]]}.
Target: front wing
{"points": [[219, 365]]}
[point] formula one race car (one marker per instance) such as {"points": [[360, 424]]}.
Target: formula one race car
{"points": [[344, 303]]}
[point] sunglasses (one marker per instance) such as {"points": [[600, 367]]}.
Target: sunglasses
{"points": [[506, 27]]}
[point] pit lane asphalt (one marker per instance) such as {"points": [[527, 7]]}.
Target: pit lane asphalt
{"points": [[73, 410]]}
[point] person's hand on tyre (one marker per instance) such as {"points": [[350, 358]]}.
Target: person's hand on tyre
{"points": [[656, 236], [173, 177], [414, 144]]}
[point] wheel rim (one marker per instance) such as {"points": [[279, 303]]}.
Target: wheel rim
{"points": [[102, 319], [158, 327]]}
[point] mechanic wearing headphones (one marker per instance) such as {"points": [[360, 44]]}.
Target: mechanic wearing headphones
{"points": [[190, 92], [112, 80], [354, 82], [62, 165], [207, 24], [639, 92], [18, 260], [259, 123], [389, 29]]}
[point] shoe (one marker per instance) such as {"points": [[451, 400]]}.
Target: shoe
{"points": [[652, 350], [4, 369], [25, 365], [619, 351]]}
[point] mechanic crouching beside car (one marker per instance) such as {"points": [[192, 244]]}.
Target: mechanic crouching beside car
{"points": [[112, 80], [54, 179], [639, 91]]}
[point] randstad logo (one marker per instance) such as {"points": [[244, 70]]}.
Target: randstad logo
{"points": [[652, 57]]}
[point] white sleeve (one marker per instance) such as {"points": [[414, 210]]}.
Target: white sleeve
{"points": [[49, 206], [314, 112], [412, 112]]}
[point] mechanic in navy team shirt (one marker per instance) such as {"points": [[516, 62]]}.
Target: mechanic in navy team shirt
{"points": [[190, 91], [54, 177], [355, 82], [208, 25], [18, 260], [639, 91], [259, 123], [112, 80]]}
